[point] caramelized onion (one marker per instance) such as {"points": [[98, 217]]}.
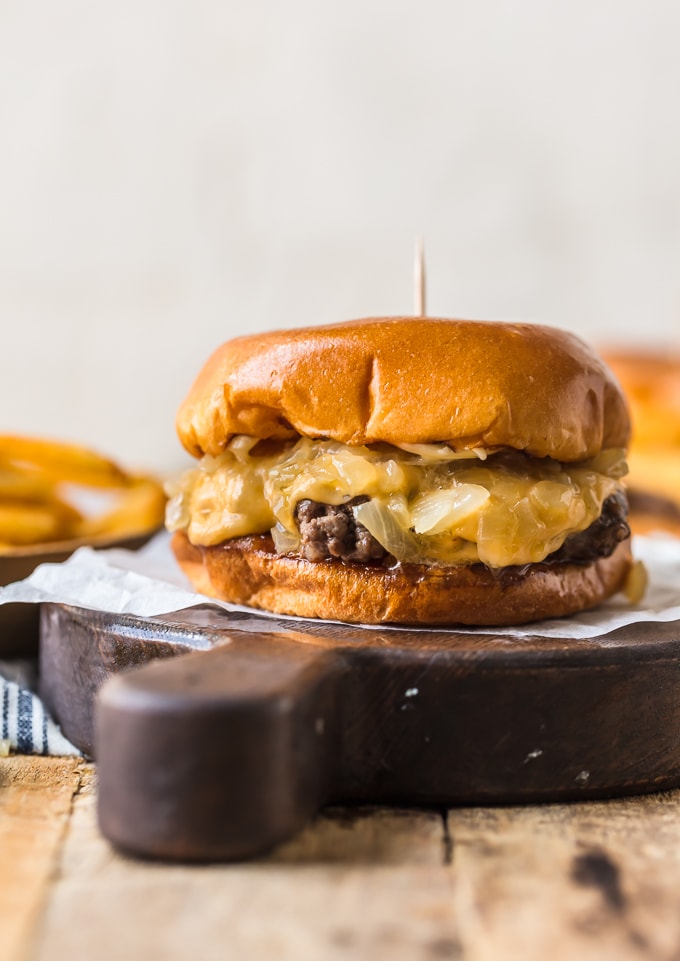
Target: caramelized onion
{"points": [[427, 504], [442, 510], [438, 453], [285, 542], [384, 525]]}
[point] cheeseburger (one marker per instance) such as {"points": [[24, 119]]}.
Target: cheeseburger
{"points": [[405, 470]]}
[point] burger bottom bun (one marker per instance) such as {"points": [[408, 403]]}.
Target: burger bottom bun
{"points": [[247, 570]]}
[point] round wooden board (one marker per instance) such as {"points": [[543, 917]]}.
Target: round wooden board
{"points": [[19, 622], [231, 747]]}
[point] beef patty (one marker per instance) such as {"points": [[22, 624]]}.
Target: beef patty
{"points": [[330, 531]]}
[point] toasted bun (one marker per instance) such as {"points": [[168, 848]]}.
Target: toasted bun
{"points": [[246, 570], [407, 380]]}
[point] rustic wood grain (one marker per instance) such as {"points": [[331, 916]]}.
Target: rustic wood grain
{"points": [[592, 881], [36, 795], [348, 886]]}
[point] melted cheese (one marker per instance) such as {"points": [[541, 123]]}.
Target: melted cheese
{"points": [[425, 506]]}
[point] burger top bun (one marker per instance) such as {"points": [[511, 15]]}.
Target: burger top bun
{"points": [[408, 380]]}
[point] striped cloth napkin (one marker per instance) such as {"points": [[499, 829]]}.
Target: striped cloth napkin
{"points": [[25, 725]]}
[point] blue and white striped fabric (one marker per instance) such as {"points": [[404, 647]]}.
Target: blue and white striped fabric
{"points": [[25, 726]]}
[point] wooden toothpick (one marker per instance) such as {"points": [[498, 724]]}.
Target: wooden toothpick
{"points": [[419, 279]]}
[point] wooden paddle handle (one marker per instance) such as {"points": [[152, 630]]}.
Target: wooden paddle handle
{"points": [[217, 755]]}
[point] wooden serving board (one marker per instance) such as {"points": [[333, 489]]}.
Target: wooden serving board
{"points": [[218, 735], [19, 622]]}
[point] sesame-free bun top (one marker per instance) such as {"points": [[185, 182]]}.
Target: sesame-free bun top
{"points": [[410, 380]]}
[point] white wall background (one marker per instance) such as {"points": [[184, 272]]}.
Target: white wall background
{"points": [[173, 174]]}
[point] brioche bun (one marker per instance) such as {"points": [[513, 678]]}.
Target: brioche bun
{"points": [[407, 380], [247, 570]]}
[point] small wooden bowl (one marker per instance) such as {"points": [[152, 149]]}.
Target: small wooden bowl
{"points": [[19, 622]]}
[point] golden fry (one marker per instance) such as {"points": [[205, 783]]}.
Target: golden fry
{"points": [[140, 508], [18, 485], [41, 481], [59, 461], [22, 524]]}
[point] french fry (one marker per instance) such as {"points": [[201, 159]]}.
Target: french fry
{"points": [[18, 485], [141, 507], [23, 524], [46, 487], [60, 462]]}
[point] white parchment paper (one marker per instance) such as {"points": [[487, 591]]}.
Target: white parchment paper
{"points": [[149, 582]]}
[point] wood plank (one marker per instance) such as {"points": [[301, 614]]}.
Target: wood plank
{"points": [[589, 881], [350, 884], [36, 796], [593, 881]]}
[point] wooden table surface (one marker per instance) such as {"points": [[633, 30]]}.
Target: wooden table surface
{"points": [[593, 880]]}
